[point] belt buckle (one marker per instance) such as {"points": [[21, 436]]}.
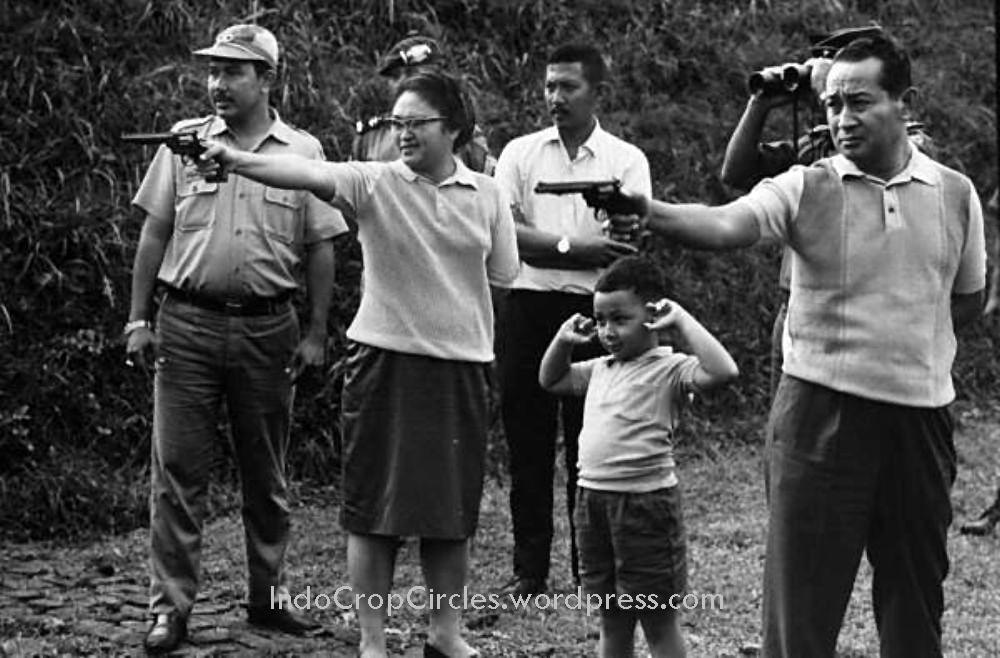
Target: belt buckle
{"points": [[234, 308]]}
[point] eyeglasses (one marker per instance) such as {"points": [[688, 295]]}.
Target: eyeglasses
{"points": [[410, 123]]}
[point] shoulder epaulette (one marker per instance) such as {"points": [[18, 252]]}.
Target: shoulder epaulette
{"points": [[372, 123]]}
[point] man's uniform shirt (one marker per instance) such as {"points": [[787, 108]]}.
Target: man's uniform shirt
{"points": [[239, 238]]}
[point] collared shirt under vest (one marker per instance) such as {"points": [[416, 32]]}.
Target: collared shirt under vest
{"points": [[874, 267]]}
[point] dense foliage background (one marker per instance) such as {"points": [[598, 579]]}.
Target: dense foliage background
{"points": [[74, 423]]}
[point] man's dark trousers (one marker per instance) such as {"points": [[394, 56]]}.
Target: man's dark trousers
{"points": [[846, 473], [531, 416]]}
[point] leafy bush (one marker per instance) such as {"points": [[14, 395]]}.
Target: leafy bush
{"points": [[74, 425]]}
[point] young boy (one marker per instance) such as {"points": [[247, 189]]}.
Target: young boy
{"points": [[628, 515]]}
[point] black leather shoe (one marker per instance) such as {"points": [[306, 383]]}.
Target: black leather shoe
{"points": [[524, 586], [431, 651], [982, 526], [167, 632], [280, 619]]}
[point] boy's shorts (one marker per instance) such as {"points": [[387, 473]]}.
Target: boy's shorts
{"points": [[631, 543]]}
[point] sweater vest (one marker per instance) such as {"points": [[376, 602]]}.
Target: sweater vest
{"points": [[870, 306]]}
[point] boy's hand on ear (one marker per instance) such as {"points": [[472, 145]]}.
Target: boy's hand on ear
{"points": [[577, 330], [664, 313]]}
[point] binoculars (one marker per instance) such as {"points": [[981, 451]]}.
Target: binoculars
{"points": [[784, 79]]}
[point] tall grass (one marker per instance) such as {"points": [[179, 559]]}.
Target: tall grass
{"points": [[74, 424]]}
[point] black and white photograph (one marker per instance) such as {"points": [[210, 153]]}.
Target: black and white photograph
{"points": [[499, 328]]}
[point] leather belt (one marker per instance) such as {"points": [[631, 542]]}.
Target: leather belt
{"points": [[242, 307]]}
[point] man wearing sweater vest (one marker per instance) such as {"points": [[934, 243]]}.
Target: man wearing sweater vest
{"points": [[888, 260]]}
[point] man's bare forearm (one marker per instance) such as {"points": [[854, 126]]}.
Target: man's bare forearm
{"points": [[704, 227], [148, 257], [290, 172], [319, 285]]}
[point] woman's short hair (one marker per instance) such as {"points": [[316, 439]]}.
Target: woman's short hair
{"points": [[447, 95]]}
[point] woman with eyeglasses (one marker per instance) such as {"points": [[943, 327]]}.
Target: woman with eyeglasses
{"points": [[434, 236]]}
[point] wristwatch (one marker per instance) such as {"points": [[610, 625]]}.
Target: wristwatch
{"points": [[132, 325], [563, 245]]}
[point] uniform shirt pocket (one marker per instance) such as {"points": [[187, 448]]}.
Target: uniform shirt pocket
{"points": [[281, 210], [196, 205]]}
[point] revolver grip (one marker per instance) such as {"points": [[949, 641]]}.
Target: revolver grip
{"points": [[219, 177]]}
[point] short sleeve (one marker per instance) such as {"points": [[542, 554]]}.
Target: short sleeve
{"points": [[579, 375], [636, 176], [971, 275], [157, 192], [506, 175], [679, 378], [503, 263], [775, 203], [354, 183]]}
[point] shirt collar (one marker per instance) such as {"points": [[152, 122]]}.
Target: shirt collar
{"points": [[593, 143], [657, 352], [918, 168], [462, 175], [279, 130]]}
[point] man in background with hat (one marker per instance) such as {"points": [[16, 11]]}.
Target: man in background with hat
{"points": [[226, 257], [748, 160], [375, 140]]}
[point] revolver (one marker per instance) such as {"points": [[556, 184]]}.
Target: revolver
{"points": [[185, 144], [600, 195]]}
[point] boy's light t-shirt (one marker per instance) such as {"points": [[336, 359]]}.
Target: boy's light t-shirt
{"points": [[629, 415]]}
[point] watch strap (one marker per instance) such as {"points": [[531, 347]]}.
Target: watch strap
{"points": [[132, 325]]}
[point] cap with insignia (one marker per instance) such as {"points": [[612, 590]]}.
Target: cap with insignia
{"points": [[827, 45], [245, 42], [411, 51]]}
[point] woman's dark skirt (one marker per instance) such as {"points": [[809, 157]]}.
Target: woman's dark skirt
{"points": [[414, 441]]}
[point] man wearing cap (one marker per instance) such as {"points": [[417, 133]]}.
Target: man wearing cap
{"points": [[225, 257], [748, 160], [375, 140]]}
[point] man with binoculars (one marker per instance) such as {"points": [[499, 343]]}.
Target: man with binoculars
{"points": [[748, 160]]}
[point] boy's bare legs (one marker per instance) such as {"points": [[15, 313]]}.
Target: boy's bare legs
{"points": [[370, 562], [445, 563], [617, 633], [662, 629]]}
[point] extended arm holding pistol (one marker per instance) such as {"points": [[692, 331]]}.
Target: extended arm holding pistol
{"points": [[600, 195], [185, 144]]}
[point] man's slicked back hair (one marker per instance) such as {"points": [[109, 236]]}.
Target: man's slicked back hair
{"points": [[595, 69], [896, 77]]}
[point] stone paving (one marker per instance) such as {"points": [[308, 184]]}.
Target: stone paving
{"points": [[55, 602]]}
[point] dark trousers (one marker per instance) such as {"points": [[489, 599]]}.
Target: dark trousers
{"points": [[777, 355], [530, 418], [206, 359], [846, 474]]}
